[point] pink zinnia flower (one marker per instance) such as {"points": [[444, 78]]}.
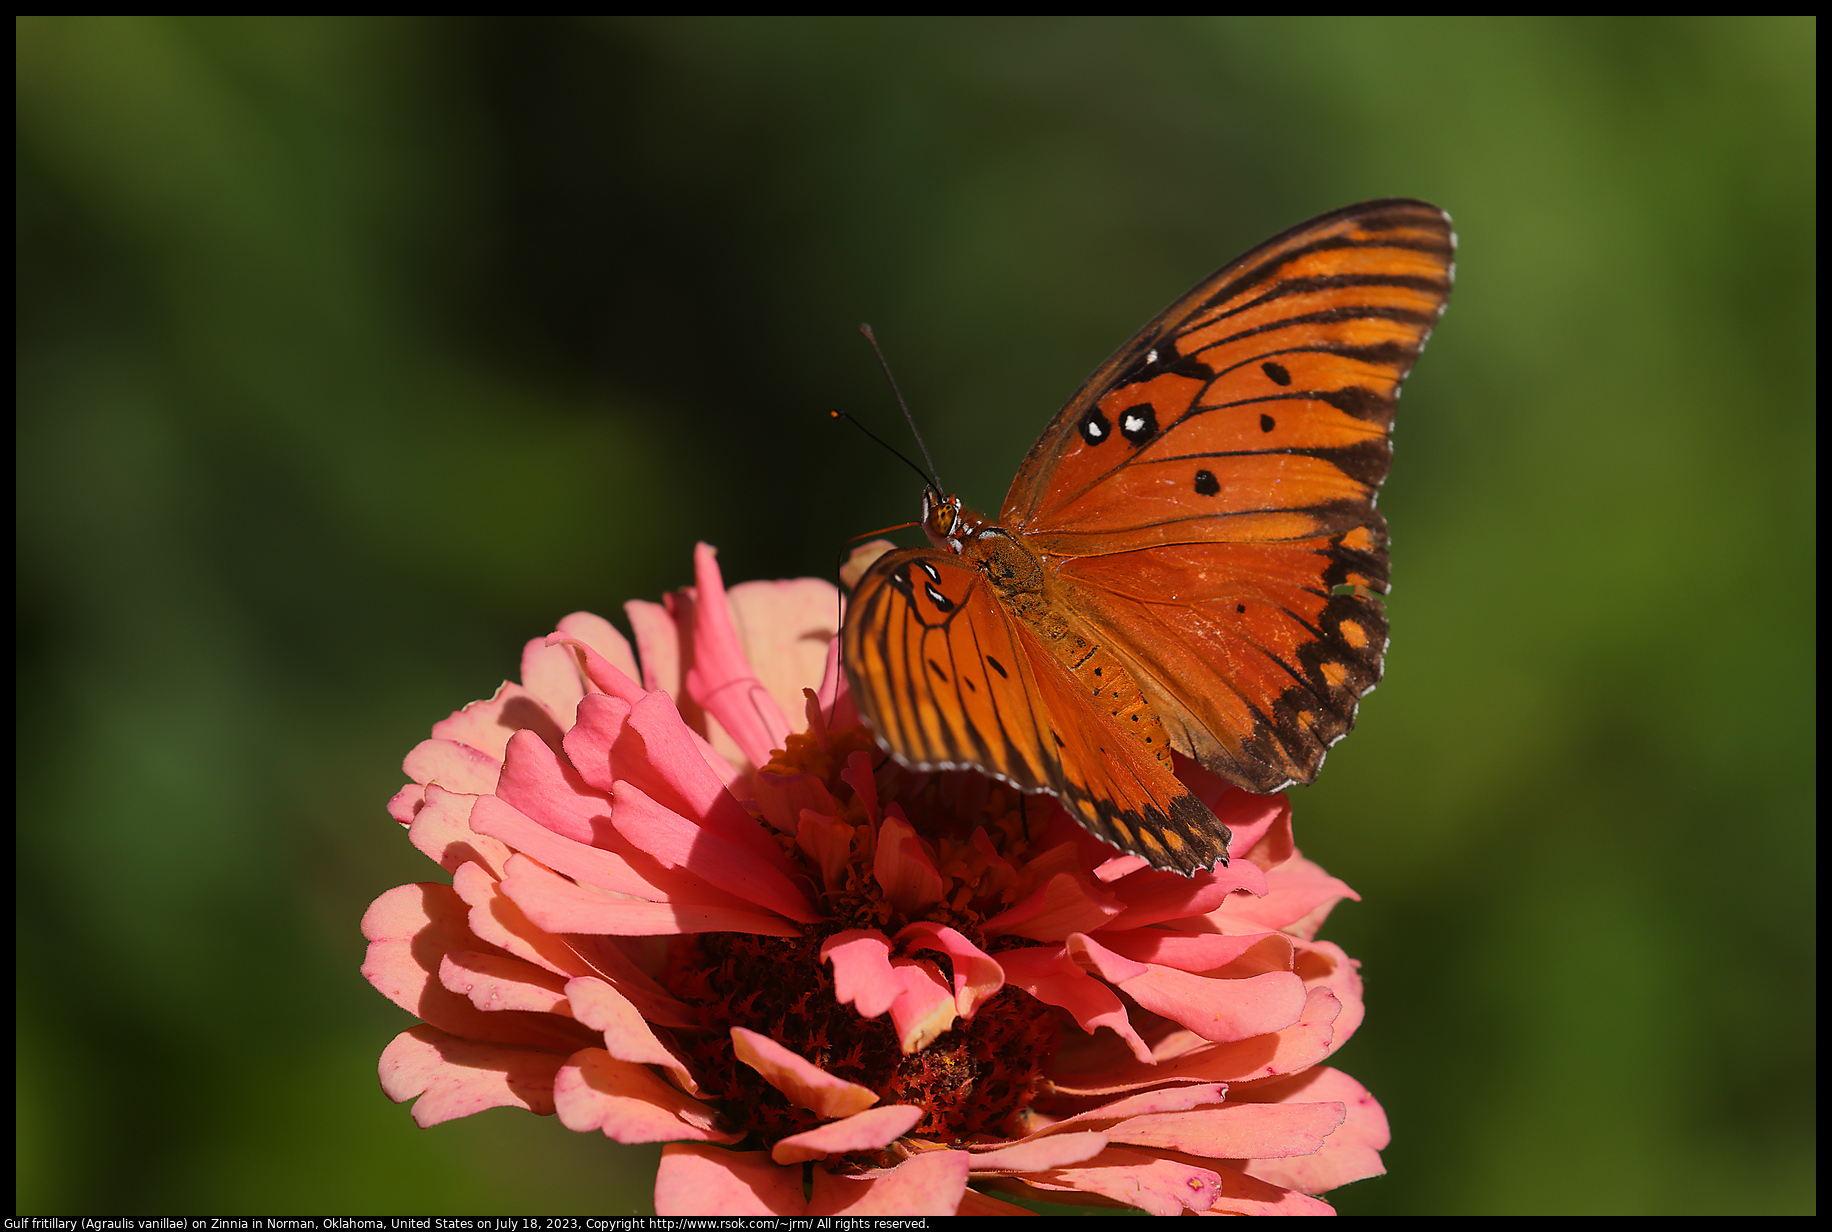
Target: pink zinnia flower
{"points": [[832, 985]]}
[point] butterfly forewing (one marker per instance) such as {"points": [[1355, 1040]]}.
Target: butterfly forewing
{"points": [[1211, 491], [1267, 388]]}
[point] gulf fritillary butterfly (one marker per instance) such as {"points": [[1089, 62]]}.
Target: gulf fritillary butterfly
{"points": [[1189, 557]]}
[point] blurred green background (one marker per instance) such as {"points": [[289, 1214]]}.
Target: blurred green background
{"points": [[354, 353]]}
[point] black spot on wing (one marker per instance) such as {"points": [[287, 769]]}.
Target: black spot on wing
{"points": [[1139, 423]]}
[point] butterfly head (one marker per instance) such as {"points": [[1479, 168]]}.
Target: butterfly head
{"points": [[945, 519]]}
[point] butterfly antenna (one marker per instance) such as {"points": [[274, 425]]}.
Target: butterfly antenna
{"points": [[884, 364], [928, 479]]}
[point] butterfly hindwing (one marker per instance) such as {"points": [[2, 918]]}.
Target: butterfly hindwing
{"points": [[948, 677], [937, 671], [1114, 784]]}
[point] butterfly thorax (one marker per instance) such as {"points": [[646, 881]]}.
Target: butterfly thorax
{"points": [[1013, 569]]}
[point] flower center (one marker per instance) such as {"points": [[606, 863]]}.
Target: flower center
{"points": [[972, 1080]]}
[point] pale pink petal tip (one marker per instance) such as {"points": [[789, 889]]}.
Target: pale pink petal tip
{"points": [[807, 1085]]}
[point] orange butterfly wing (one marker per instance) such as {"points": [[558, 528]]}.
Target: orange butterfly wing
{"points": [[1208, 497], [1190, 556], [951, 678]]}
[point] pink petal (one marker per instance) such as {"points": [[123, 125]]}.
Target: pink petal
{"points": [[806, 1084], [925, 1007], [658, 755], [786, 629], [1274, 845], [833, 707], [613, 684], [487, 725], [495, 982], [857, 774], [1350, 1154], [540, 783], [411, 929], [679, 843], [1155, 1185], [612, 866], [932, 1183], [457, 1077], [629, 1103], [1049, 975], [600, 635], [590, 745], [1112, 967], [1164, 1101], [406, 802], [1217, 1010], [497, 921], [704, 1180], [601, 675], [862, 975], [863, 1131], [627, 1036], [828, 842], [557, 905], [903, 868], [1235, 1131], [455, 767], [1298, 890], [1153, 897], [1220, 1010], [1202, 952], [720, 678], [1041, 1154], [1288, 1050], [552, 677], [442, 830], [1167, 1101], [782, 797], [1066, 903], [605, 956], [658, 640], [1322, 964], [862, 558], [977, 975]]}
